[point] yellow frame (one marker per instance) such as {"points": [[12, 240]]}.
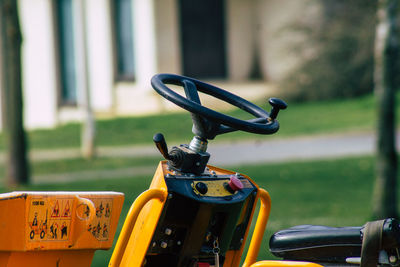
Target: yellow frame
{"points": [[131, 218]]}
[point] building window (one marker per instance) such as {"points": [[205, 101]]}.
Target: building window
{"points": [[64, 25], [123, 40]]}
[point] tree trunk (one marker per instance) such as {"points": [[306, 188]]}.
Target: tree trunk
{"points": [[17, 170], [386, 55], [88, 131]]}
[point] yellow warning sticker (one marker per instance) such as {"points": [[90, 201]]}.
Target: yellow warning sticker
{"points": [[49, 219], [101, 224], [38, 219]]}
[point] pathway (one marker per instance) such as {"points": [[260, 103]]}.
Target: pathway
{"points": [[223, 154]]}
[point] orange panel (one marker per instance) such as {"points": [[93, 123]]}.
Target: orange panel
{"points": [[67, 258], [51, 227]]}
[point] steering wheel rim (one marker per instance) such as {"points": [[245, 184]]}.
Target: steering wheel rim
{"points": [[222, 123]]}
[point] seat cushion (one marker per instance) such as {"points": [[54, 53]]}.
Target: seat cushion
{"points": [[317, 243]]}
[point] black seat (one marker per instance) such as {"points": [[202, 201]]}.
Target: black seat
{"points": [[317, 243], [327, 244]]}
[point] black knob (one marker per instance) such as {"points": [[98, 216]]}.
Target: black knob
{"points": [[159, 140], [277, 104], [202, 188]]}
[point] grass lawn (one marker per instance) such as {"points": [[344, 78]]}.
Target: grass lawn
{"points": [[99, 163], [330, 192], [298, 119], [75, 165]]}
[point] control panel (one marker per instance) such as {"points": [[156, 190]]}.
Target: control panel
{"points": [[220, 187], [203, 214]]}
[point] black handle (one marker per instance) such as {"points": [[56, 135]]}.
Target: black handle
{"points": [[277, 104], [161, 145]]}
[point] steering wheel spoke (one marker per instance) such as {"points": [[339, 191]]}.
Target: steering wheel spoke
{"points": [[201, 126], [191, 91]]}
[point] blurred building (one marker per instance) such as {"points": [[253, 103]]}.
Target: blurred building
{"points": [[113, 47]]}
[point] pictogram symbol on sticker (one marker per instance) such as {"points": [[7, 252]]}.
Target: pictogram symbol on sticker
{"points": [[55, 213], [67, 211]]}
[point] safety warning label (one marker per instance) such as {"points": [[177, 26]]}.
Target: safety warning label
{"points": [[101, 223], [49, 219]]}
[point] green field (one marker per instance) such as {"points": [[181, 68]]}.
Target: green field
{"points": [[299, 119], [330, 192]]}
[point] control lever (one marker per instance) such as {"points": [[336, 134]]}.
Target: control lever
{"points": [[277, 104], [182, 158], [161, 145], [175, 156]]}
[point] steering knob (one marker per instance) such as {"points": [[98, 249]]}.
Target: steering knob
{"points": [[277, 104]]}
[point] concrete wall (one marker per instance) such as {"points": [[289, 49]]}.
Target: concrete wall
{"points": [[168, 45], [99, 54], [39, 65], [277, 40], [241, 38]]}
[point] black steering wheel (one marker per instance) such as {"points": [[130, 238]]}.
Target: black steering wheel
{"points": [[208, 123]]}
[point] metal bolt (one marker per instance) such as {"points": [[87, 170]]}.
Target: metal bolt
{"points": [[170, 196], [241, 240], [164, 244], [392, 259], [154, 244], [197, 164], [168, 231], [179, 243]]}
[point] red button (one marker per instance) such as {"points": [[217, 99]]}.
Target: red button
{"points": [[235, 184]]}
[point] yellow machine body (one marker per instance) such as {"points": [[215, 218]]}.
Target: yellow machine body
{"points": [[144, 237], [56, 228]]}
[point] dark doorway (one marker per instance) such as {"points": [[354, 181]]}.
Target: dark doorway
{"points": [[123, 39], [202, 25], [66, 51]]}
